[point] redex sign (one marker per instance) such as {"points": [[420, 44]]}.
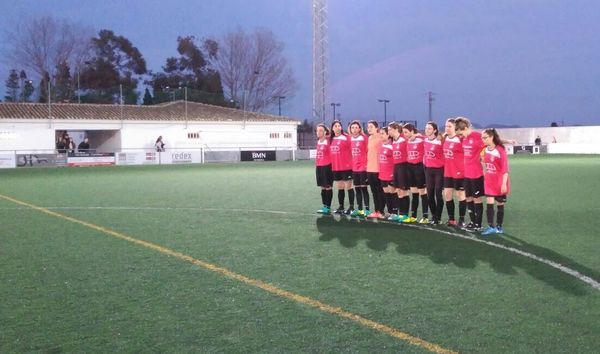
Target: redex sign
{"points": [[268, 155]]}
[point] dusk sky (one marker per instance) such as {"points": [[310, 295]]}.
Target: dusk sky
{"points": [[525, 62]]}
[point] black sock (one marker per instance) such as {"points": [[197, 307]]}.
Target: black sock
{"points": [[471, 211], [425, 202], [395, 203], [406, 205], [329, 197], [479, 212], [359, 197], [389, 200], [341, 197], [365, 193], [323, 197], [490, 214], [500, 215], [351, 197], [462, 210], [431, 202], [414, 206], [450, 209], [439, 204]]}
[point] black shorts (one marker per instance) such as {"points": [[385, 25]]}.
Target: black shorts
{"points": [[456, 183], [373, 179], [400, 176], [360, 178], [474, 187], [499, 198], [324, 176], [345, 175], [434, 177], [387, 183], [415, 175]]}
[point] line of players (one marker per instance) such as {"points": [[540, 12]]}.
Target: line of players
{"points": [[404, 167]]}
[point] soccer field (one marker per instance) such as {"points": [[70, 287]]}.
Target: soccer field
{"points": [[233, 258]]}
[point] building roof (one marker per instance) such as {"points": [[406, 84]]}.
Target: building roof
{"points": [[170, 111]]}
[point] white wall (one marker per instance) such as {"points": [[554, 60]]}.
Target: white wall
{"points": [[40, 135], [568, 135]]}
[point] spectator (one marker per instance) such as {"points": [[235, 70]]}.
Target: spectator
{"points": [[70, 145], [538, 140], [84, 145], [61, 145], [160, 146]]}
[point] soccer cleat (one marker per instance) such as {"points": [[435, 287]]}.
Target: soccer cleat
{"points": [[339, 210], [461, 225], [349, 211], [402, 217], [393, 217], [367, 212], [324, 210], [499, 230], [434, 222], [355, 213], [451, 223], [374, 215], [409, 219], [490, 230], [424, 221], [472, 227]]}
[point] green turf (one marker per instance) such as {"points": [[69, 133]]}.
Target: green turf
{"points": [[66, 288]]}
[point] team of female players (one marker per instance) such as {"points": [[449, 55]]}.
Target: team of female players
{"points": [[405, 168]]}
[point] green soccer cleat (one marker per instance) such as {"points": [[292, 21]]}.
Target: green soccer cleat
{"points": [[355, 213], [324, 210], [409, 219], [424, 221]]}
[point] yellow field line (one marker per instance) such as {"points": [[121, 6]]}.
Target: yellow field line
{"points": [[257, 283]]}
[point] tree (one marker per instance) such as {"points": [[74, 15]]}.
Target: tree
{"points": [[63, 90], [44, 88], [148, 99], [27, 88], [191, 70], [41, 44], [253, 69], [115, 62], [12, 87]]}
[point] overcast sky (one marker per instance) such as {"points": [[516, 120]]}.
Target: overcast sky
{"points": [[525, 62]]}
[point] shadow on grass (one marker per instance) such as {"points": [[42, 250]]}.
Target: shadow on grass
{"points": [[445, 249]]}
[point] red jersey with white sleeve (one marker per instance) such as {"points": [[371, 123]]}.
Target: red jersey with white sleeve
{"points": [[359, 152], [454, 160], [399, 147], [323, 155], [434, 153], [386, 162], [472, 147], [496, 165], [414, 151], [341, 158]]}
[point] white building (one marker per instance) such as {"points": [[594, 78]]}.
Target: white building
{"points": [[112, 128]]}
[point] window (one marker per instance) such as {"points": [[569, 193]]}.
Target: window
{"points": [[287, 135], [274, 135], [193, 135]]}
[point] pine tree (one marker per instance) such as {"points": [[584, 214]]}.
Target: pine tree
{"points": [[63, 91], [12, 87], [44, 88], [148, 99]]}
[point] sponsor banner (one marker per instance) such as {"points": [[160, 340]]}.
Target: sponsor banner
{"points": [[255, 155], [523, 149], [90, 159], [8, 161], [180, 157], [41, 160], [137, 158]]}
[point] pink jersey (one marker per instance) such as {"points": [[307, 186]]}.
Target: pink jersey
{"points": [[386, 162], [323, 156], [434, 153], [454, 160], [472, 146], [341, 158], [496, 165], [359, 152], [414, 151], [399, 150]]}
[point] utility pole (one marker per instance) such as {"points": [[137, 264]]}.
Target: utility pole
{"points": [[431, 99], [280, 98], [334, 105], [385, 102]]}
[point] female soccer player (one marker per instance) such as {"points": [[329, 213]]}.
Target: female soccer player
{"points": [[386, 169], [434, 170], [359, 147], [375, 143], [496, 182], [416, 172], [323, 169], [401, 202], [472, 147], [341, 165], [454, 165]]}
